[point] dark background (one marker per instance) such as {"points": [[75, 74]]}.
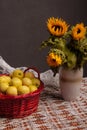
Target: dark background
{"points": [[23, 28]]}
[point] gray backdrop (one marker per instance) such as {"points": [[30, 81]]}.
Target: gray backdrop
{"points": [[23, 28]]}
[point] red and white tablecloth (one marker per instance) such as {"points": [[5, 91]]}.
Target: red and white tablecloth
{"points": [[53, 113]]}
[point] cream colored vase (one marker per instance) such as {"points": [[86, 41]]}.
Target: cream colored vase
{"points": [[70, 82]]}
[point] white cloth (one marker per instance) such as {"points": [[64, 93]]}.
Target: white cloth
{"points": [[47, 76]]}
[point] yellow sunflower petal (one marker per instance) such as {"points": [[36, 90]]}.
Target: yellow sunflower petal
{"points": [[57, 27]]}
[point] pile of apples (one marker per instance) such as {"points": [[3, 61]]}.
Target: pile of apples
{"points": [[18, 83]]}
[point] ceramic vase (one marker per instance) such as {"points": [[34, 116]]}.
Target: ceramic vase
{"points": [[70, 82]]}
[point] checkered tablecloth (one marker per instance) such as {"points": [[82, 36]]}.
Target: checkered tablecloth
{"points": [[53, 113]]}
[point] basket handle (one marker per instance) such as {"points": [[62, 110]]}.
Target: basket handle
{"points": [[33, 68]]}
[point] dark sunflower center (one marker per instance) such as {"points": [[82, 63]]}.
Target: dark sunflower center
{"points": [[53, 60], [78, 31], [57, 27]]}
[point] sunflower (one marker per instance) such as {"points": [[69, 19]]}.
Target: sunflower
{"points": [[57, 27], [78, 31], [54, 60]]}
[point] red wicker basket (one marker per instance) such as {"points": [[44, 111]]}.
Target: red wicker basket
{"points": [[21, 105]]}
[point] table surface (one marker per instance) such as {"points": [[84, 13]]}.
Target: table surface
{"points": [[53, 113]]}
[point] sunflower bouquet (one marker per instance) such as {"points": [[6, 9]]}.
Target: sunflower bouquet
{"points": [[67, 44]]}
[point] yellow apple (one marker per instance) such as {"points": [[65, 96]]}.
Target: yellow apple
{"points": [[3, 86], [8, 78], [18, 73], [16, 81], [5, 78], [32, 88], [26, 81], [23, 89], [12, 90], [36, 82], [29, 75], [2, 79]]}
